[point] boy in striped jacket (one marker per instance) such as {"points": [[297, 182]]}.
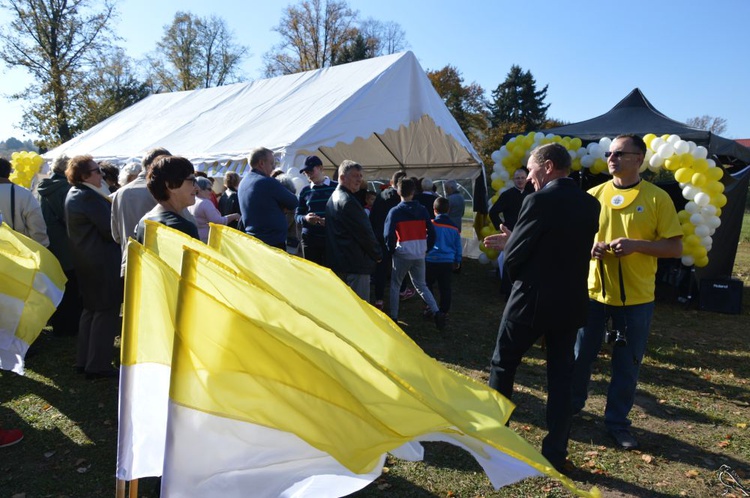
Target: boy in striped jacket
{"points": [[409, 234]]}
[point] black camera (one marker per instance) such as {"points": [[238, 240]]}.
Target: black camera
{"points": [[616, 336]]}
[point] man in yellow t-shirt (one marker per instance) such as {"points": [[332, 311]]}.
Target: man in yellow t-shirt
{"points": [[637, 224]]}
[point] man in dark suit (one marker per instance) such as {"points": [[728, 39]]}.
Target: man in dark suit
{"points": [[547, 256]]}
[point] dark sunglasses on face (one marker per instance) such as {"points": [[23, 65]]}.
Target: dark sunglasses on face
{"points": [[618, 153]]}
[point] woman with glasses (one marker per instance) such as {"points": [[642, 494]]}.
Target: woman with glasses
{"points": [[96, 260], [204, 210], [171, 180]]}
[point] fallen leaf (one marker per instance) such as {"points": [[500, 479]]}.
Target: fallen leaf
{"points": [[647, 458], [690, 474], [591, 453], [83, 470], [723, 444], [46, 407], [742, 425], [49, 454]]}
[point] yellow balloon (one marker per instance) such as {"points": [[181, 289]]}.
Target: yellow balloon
{"points": [[691, 240], [714, 187], [485, 231], [701, 262], [700, 252], [648, 138], [494, 198], [672, 164], [576, 164], [683, 216], [576, 143], [497, 184], [686, 160], [687, 227], [698, 179], [700, 166], [719, 200], [715, 173], [683, 175], [665, 136], [492, 254]]}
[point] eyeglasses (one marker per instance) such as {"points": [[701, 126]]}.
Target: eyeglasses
{"points": [[192, 179], [96, 170], [619, 153]]}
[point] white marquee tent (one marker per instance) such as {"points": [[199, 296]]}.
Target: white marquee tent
{"points": [[381, 112]]}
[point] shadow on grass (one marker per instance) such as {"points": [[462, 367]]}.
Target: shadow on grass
{"points": [[78, 443]]}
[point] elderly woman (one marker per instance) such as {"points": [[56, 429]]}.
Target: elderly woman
{"points": [[205, 212], [171, 180], [96, 259]]}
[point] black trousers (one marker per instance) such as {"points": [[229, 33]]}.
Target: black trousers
{"points": [[442, 273]]}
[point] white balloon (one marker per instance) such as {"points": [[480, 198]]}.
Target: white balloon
{"points": [[702, 198], [713, 231], [711, 163], [504, 152], [682, 184], [702, 231], [707, 241], [496, 157], [538, 136], [656, 161], [665, 151], [689, 193], [494, 176], [550, 136], [673, 139], [594, 149], [696, 219], [686, 260], [708, 210], [691, 146], [644, 166], [713, 222], [587, 161], [691, 207], [653, 168], [656, 143], [649, 154], [700, 152], [681, 147], [483, 259], [605, 142], [497, 168], [572, 154], [504, 174], [582, 151]]}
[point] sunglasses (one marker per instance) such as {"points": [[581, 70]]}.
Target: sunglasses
{"points": [[192, 179], [96, 170], [619, 153]]}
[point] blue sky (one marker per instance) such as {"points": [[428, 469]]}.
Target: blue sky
{"points": [[687, 61]]}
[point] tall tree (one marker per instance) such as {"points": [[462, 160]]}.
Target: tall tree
{"points": [[313, 33], [196, 52], [111, 87], [383, 37], [465, 102], [516, 100], [56, 41], [714, 124]]}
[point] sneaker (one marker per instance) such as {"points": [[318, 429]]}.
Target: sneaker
{"points": [[10, 437], [408, 294], [624, 439], [440, 320], [379, 304]]}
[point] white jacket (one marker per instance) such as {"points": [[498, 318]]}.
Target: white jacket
{"points": [[28, 218]]}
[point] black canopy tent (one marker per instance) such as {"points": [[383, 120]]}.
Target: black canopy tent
{"points": [[635, 114]]}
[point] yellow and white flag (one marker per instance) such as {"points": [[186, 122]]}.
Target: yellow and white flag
{"points": [[32, 284], [270, 400], [151, 282]]}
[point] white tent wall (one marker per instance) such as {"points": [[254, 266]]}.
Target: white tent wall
{"points": [[381, 112]]}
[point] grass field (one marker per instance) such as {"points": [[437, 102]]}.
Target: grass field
{"points": [[691, 415]]}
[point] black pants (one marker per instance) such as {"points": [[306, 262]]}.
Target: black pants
{"points": [[67, 315], [513, 340], [314, 250], [442, 273]]}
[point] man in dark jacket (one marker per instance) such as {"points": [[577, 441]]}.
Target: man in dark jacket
{"points": [[52, 192], [351, 246], [384, 202], [547, 258]]}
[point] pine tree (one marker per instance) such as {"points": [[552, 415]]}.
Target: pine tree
{"points": [[517, 101]]}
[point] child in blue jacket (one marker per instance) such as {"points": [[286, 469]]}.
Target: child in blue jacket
{"points": [[445, 255]]}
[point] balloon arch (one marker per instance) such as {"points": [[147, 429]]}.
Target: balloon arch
{"points": [[698, 176]]}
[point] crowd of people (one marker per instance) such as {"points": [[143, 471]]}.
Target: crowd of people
{"points": [[572, 262]]}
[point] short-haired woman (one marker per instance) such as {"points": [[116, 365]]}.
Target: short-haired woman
{"points": [[205, 212], [96, 259], [171, 180]]}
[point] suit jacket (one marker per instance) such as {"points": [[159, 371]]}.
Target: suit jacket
{"points": [[351, 246], [547, 257]]}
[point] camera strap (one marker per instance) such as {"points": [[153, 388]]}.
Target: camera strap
{"points": [[622, 281]]}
